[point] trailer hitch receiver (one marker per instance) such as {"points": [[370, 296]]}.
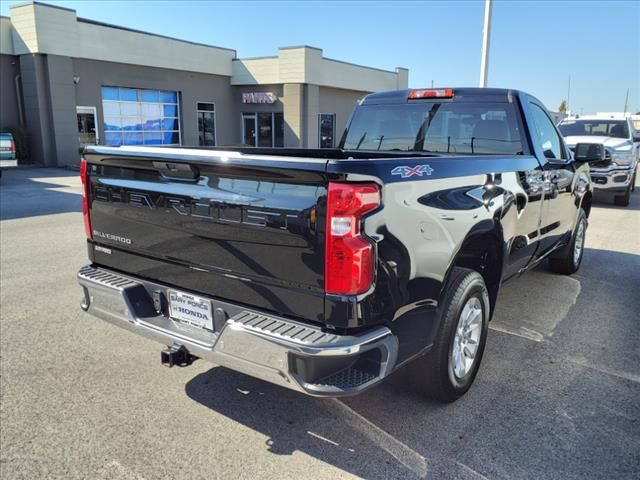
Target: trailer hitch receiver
{"points": [[176, 355]]}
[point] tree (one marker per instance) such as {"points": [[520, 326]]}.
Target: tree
{"points": [[563, 107]]}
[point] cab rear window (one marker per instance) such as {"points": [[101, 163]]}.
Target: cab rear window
{"points": [[469, 128]]}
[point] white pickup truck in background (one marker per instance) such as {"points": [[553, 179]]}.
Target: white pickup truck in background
{"points": [[616, 174]]}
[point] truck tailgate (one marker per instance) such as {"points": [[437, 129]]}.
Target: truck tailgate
{"points": [[238, 227]]}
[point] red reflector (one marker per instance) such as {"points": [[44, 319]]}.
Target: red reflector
{"points": [[84, 177], [431, 93], [349, 256]]}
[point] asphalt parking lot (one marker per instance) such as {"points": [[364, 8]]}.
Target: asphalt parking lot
{"points": [[558, 394]]}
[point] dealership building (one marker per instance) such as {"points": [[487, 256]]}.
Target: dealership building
{"points": [[68, 81]]}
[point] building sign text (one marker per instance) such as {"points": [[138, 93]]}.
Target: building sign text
{"points": [[259, 97]]}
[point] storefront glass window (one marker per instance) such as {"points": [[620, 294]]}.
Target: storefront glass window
{"points": [[140, 116], [278, 129], [263, 129], [206, 124], [326, 127]]}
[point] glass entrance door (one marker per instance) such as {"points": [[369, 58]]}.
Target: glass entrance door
{"points": [[263, 129], [87, 131], [249, 127]]}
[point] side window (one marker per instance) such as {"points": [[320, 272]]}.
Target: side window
{"points": [[545, 134]]}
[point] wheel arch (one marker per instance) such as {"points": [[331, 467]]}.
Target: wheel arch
{"points": [[482, 250], [585, 202]]}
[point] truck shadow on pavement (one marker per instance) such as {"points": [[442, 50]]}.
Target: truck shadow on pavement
{"points": [[31, 192], [326, 429], [540, 408], [605, 200]]}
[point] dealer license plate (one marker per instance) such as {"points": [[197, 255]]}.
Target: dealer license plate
{"points": [[190, 309]]}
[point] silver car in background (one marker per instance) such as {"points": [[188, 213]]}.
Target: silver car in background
{"points": [[7, 151]]}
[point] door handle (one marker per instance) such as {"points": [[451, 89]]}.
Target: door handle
{"points": [[550, 177], [521, 202]]}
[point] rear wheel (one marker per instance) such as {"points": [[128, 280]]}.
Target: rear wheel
{"points": [[569, 258], [448, 370]]}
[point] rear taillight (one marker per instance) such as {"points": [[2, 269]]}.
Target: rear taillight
{"points": [[349, 256], [84, 176], [13, 146]]}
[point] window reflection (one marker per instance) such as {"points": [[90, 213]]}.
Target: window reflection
{"points": [[149, 96], [170, 110], [152, 138], [206, 124], [140, 116], [327, 129]]}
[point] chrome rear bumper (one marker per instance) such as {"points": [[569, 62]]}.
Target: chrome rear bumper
{"points": [[275, 349]]}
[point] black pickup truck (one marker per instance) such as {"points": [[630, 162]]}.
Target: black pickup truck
{"points": [[326, 270]]}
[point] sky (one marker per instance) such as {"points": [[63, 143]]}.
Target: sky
{"points": [[535, 45]]}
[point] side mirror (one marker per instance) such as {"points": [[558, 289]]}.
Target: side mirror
{"points": [[589, 152], [636, 138]]}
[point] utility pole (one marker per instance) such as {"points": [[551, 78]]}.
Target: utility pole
{"points": [[569, 93], [486, 33], [626, 100]]}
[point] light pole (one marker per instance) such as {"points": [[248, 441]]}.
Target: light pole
{"points": [[626, 100], [486, 32]]}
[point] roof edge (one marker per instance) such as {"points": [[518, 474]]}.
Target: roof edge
{"points": [[265, 57], [119, 27], [361, 66], [295, 47], [42, 4]]}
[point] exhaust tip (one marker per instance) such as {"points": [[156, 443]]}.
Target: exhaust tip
{"points": [[85, 303]]}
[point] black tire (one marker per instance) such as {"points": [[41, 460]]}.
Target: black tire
{"points": [[433, 374], [623, 200], [565, 261]]}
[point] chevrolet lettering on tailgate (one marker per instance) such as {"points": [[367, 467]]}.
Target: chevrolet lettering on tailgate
{"points": [[199, 208]]}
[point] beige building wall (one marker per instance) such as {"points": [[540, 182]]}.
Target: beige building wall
{"points": [[293, 108], [47, 29], [307, 65], [312, 109], [341, 103], [6, 36], [255, 71], [292, 66], [23, 32]]}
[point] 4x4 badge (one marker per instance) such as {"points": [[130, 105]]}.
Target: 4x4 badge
{"points": [[405, 171]]}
